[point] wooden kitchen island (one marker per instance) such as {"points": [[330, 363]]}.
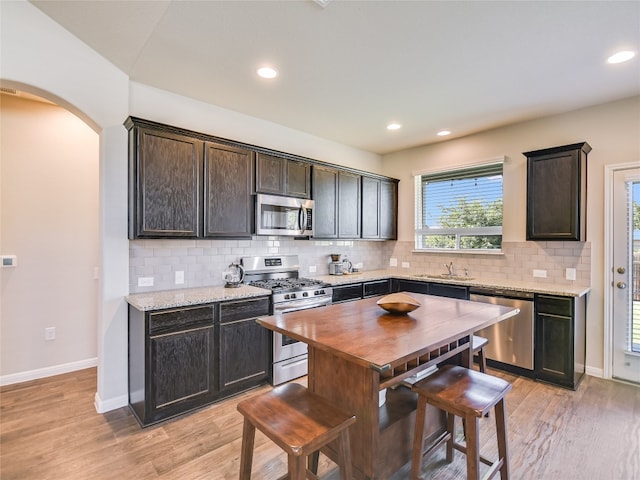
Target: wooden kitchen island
{"points": [[357, 349]]}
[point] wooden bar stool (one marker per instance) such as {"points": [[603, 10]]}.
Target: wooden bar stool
{"points": [[300, 422], [477, 348], [467, 394]]}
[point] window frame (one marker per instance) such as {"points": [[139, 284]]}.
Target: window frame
{"points": [[484, 169]]}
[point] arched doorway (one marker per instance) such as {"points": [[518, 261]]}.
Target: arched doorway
{"points": [[49, 220]]}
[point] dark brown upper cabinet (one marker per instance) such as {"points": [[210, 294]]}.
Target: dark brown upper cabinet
{"points": [[228, 202], [349, 209], [557, 192], [183, 186], [379, 208], [325, 202], [282, 176], [165, 178]]}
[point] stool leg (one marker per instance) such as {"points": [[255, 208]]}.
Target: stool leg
{"points": [[345, 456], [246, 454], [416, 456], [451, 418], [482, 360], [297, 467], [501, 431], [473, 452]]}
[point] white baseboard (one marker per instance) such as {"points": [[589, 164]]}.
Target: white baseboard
{"points": [[594, 372], [103, 406], [47, 371]]}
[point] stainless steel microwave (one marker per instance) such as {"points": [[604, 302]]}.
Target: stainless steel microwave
{"points": [[284, 216]]}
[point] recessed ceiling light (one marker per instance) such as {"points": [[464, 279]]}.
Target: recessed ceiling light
{"points": [[443, 133], [621, 57], [267, 72], [394, 126]]}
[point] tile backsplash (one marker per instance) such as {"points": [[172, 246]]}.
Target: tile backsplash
{"points": [[203, 261]]}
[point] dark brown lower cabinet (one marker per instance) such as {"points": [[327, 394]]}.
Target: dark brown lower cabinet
{"points": [[347, 293], [184, 358], [245, 353], [560, 340]]}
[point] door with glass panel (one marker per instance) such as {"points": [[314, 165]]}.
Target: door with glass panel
{"points": [[625, 280]]}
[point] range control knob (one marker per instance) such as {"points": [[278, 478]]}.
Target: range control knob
{"points": [[293, 295], [305, 294]]}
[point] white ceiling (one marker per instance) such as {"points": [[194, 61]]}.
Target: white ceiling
{"points": [[350, 68]]}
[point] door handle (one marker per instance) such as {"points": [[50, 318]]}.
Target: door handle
{"points": [[621, 285]]}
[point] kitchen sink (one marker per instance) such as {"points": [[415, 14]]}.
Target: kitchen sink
{"points": [[445, 276]]}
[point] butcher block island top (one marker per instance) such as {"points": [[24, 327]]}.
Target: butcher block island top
{"points": [[364, 333], [357, 349]]}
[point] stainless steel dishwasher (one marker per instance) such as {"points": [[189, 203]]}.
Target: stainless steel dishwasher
{"points": [[511, 341]]}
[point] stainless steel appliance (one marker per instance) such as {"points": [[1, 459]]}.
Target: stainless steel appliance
{"points": [[511, 341], [290, 216], [336, 268], [279, 273], [233, 275]]}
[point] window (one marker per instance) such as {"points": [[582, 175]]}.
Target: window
{"points": [[460, 209]]}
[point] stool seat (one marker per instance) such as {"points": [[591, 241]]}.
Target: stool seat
{"points": [[298, 421], [462, 391], [467, 394]]}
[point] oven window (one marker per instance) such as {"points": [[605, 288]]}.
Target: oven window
{"points": [[288, 341]]}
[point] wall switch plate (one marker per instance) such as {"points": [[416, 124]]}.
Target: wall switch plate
{"points": [[9, 261], [179, 277], [570, 273], [540, 273], [393, 262], [405, 265], [50, 333], [312, 269], [145, 281]]}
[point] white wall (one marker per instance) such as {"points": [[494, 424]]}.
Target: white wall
{"points": [[611, 129], [165, 107], [49, 219]]}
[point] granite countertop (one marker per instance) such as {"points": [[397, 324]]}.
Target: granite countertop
{"points": [[512, 285], [191, 296], [195, 296]]}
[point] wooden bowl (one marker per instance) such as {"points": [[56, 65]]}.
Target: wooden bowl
{"points": [[399, 303]]}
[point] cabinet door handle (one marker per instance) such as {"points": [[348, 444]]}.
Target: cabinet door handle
{"points": [[621, 285], [621, 270]]}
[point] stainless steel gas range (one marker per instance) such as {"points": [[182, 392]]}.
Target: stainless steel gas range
{"points": [[289, 293]]}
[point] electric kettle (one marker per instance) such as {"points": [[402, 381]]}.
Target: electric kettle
{"points": [[233, 275]]}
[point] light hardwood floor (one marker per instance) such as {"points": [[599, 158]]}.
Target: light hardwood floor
{"points": [[50, 430]]}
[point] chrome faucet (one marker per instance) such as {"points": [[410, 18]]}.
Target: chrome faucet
{"points": [[450, 268]]}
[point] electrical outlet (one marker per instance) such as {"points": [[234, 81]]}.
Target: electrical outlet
{"points": [[405, 265], [312, 269], [540, 273], [570, 273], [50, 333], [179, 277], [393, 262], [145, 281]]}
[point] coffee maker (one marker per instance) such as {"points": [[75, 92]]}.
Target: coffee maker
{"points": [[336, 267]]}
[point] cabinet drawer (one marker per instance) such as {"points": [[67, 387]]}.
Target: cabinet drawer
{"points": [[381, 287], [182, 319], [347, 292], [451, 291], [554, 305], [242, 309]]}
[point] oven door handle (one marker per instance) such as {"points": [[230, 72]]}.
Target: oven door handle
{"points": [[300, 305]]}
